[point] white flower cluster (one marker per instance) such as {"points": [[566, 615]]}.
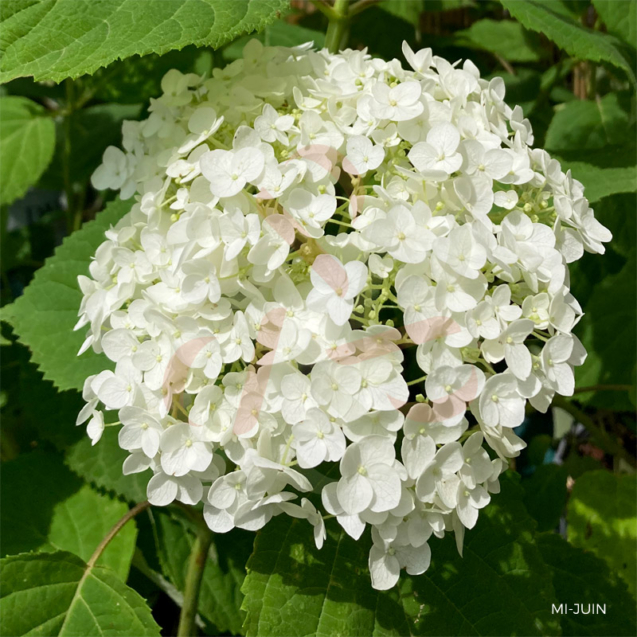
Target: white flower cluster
{"points": [[313, 237]]}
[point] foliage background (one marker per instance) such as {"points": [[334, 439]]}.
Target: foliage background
{"points": [[564, 529]]}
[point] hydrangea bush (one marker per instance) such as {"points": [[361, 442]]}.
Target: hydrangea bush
{"points": [[341, 276]]}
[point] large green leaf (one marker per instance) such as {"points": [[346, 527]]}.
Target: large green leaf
{"points": [[56, 39], [620, 18], [581, 578], [102, 465], [410, 10], [596, 124], [545, 495], [31, 402], [44, 316], [500, 587], [87, 148], [576, 40], [603, 172], [47, 508], [220, 597], [608, 332], [505, 38], [58, 594], [27, 139], [602, 518]]}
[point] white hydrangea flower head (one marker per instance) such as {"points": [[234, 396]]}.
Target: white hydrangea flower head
{"points": [[305, 227]]}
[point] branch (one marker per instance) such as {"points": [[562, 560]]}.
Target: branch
{"points": [[138, 508], [196, 565], [325, 8], [600, 436], [361, 5], [336, 29]]}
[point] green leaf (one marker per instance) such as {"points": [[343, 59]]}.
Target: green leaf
{"points": [[620, 18], [602, 518], [408, 10], [27, 139], [58, 594], [47, 508], [220, 597], [56, 39], [33, 400], [582, 578], [102, 465], [604, 172], [607, 330], [545, 495], [584, 124], [619, 215], [522, 89], [293, 589], [576, 40], [44, 316], [87, 147], [500, 587], [505, 38]]}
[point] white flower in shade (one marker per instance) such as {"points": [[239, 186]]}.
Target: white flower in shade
{"points": [[164, 489], [317, 439], [201, 282], [477, 464], [238, 344], [399, 103], [307, 511], [556, 356], [140, 431], [95, 427], [451, 388], [370, 478], [500, 402], [494, 163], [470, 501], [229, 171], [335, 286], [184, 449], [400, 235], [237, 231], [311, 211], [387, 558], [271, 126], [362, 155], [510, 346], [334, 387], [438, 478], [461, 252], [114, 171], [120, 388], [438, 155]]}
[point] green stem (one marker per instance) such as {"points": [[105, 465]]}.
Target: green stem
{"points": [[337, 28], [194, 575], [324, 8], [138, 508], [599, 435], [361, 5]]}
